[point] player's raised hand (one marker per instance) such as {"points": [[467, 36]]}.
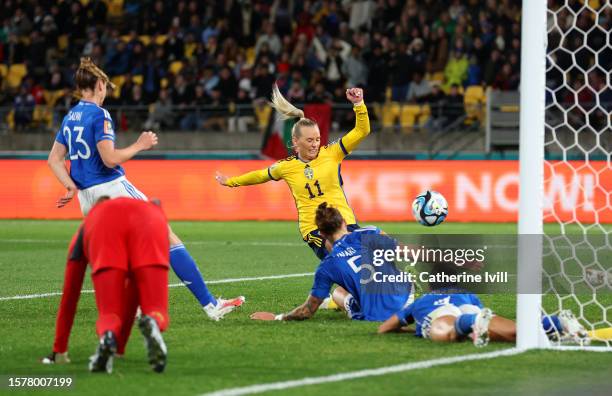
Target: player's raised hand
{"points": [[63, 201], [263, 316], [221, 178], [354, 95], [147, 140]]}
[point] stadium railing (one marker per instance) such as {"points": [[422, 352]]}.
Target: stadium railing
{"points": [[398, 127]]}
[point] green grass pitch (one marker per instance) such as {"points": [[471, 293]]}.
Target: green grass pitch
{"points": [[205, 356]]}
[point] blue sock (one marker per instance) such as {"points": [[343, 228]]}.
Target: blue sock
{"points": [[463, 324], [551, 324], [188, 272]]}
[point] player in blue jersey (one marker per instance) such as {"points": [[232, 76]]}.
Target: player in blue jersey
{"points": [[87, 137], [448, 315], [362, 300]]}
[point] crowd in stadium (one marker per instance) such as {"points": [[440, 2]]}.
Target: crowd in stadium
{"points": [[191, 53]]}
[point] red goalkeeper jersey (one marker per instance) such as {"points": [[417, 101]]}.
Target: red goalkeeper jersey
{"points": [[120, 233]]}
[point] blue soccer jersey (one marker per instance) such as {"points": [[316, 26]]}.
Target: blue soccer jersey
{"points": [[343, 266], [418, 312], [83, 127]]}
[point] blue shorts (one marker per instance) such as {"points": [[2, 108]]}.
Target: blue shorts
{"points": [[425, 305], [317, 242], [377, 308]]}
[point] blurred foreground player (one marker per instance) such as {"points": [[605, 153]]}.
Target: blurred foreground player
{"points": [[126, 243]]}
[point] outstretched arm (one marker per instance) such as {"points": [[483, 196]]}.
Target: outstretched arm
{"points": [[57, 163], [390, 325], [254, 177], [303, 312]]}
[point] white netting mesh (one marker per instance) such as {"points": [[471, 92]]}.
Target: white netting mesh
{"points": [[578, 170]]}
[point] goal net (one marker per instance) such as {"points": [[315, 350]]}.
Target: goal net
{"points": [[577, 196]]}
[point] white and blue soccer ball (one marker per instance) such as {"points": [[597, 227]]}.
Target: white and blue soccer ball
{"points": [[430, 208]]}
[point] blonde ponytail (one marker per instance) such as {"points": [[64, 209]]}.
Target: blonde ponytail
{"points": [[282, 105]]}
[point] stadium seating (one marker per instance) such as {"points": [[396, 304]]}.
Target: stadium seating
{"points": [[51, 97], [390, 114], [118, 81], [176, 67], [42, 116], [115, 8], [62, 42], [474, 100], [145, 39], [160, 39], [16, 73], [262, 114], [414, 115]]}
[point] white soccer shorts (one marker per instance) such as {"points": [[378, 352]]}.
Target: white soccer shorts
{"points": [[119, 187]]}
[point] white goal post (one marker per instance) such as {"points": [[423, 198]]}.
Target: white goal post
{"points": [[562, 111], [531, 170]]}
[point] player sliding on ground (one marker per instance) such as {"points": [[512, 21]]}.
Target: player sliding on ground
{"points": [[444, 316], [313, 173], [342, 266], [87, 137]]}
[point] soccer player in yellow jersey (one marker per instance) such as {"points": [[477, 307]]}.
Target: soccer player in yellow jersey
{"points": [[313, 174]]}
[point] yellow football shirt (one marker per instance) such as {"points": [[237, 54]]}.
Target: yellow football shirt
{"points": [[317, 181]]}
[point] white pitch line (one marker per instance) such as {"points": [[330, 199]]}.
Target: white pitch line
{"points": [[212, 282], [259, 388], [591, 348]]}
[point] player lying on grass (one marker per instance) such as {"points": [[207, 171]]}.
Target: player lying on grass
{"points": [[313, 173], [126, 243], [446, 316], [342, 266], [87, 137]]}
